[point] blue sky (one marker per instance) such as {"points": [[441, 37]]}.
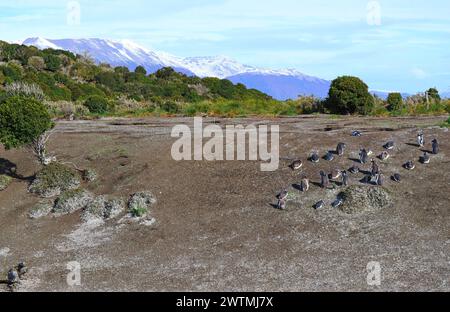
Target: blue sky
{"points": [[391, 44]]}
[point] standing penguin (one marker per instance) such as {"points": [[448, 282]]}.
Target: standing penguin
{"points": [[380, 179], [340, 149], [375, 168], [363, 156], [421, 139], [304, 184], [344, 178], [324, 182], [435, 146]]}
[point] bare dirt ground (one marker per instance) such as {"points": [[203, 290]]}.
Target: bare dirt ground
{"points": [[216, 229]]}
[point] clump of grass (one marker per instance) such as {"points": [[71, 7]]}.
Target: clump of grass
{"points": [[4, 181], [138, 211]]}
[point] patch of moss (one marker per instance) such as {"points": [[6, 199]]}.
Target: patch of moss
{"points": [[358, 199], [54, 179], [4, 181]]}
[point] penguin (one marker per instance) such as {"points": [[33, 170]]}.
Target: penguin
{"points": [[22, 269], [13, 277], [315, 157], [296, 165], [375, 168], [397, 178], [319, 205], [420, 139], [356, 133], [344, 178], [281, 204], [329, 156], [304, 185], [324, 182], [354, 170], [335, 174], [435, 146], [384, 156], [363, 156], [389, 145], [409, 165], [425, 159], [338, 202], [283, 195], [340, 149], [379, 179]]}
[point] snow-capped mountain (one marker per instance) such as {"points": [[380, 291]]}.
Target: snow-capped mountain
{"points": [[116, 53], [280, 84]]}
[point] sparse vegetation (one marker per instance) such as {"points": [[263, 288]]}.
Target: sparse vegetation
{"points": [[4, 181], [71, 201], [54, 179]]}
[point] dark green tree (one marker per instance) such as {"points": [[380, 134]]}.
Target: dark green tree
{"points": [[394, 101], [140, 70], [349, 95], [25, 121], [433, 94]]}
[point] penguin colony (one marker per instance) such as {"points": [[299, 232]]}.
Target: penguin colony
{"points": [[374, 177]]}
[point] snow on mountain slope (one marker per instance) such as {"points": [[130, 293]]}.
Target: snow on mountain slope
{"points": [[281, 84], [117, 53]]}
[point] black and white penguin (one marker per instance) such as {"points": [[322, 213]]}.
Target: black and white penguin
{"points": [[13, 277], [319, 205], [338, 202], [340, 149], [296, 165], [379, 179], [409, 165], [389, 145], [329, 156], [384, 156], [344, 178], [425, 159], [435, 146], [420, 139], [356, 133], [363, 157], [324, 182], [22, 269], [354, 170], [375, 169], [315, 157], [283, 195], [397, 178], [335, 174], [304, 184], [281, 204]]}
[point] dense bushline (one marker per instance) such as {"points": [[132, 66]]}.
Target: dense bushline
{"points": [[73, 85]]}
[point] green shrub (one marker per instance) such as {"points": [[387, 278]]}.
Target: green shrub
{"points": [[22, 120], [97, 104], [349, 95], [394, 101], [54, 179]]}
